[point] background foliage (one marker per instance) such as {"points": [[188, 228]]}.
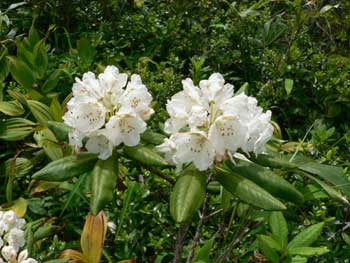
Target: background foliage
{"points": [[293, 54]]}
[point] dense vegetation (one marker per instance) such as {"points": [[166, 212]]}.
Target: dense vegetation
{"points": [[293, 56]]}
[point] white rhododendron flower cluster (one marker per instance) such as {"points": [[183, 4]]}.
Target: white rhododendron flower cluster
{"points": [[12, 239], [107, 111], [208, 122]]}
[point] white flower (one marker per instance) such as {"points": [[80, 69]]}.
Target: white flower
{"points": [[10, 218], [101, 145], [23, 257], [180, 106], [194, 147], [215, 90], [219, 123], [86, 117], [107, 111], [15, 238], [4, 227], [88, 87], [124, 128], [168, 147], [136, 97], [198, 116], [260, 132], [227, 133], [9, 253]]}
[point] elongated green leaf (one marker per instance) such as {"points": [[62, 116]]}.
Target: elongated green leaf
{"points": [[332, 174], [270, 241], [279, 228], [56, 110], [17, 96], [11, 108], [308, 251], [145, 156], [66, 168], [60, 129], [40, 111], [41, 58], [288, 85], [268, 180], [299, 259], [23, 167], [306, 237], [4, 66], [268, 252], [21, 72], [328, 189], [103, 183], [188, 195], [275, 161], [152, 137], [46, 139], [247, 191], [16, 129], [314, 191], [44, 231], [202, 254], [52, 81], [225, 199]]}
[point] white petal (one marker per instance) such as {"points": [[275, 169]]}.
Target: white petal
{"points": [[136, 98], [112, 80], [29, 260], [15, 238], [76, 139], [194, 147], [101, 145], [9, 253], [168, 147], [173, 125], [87, 117], [87, 87], [191, 90], [228, 133], [124, 128], [198, 116], [22, 255]]}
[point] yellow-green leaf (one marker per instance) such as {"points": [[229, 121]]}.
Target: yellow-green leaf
{"points": [[21, 72], [11, 108], [46, 139], [40, 111], [16, 129]]}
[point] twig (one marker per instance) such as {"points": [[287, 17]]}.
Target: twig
{"points": [[160, 174], [198, 230], [179, 242], [200, 224], [243, 231]]}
